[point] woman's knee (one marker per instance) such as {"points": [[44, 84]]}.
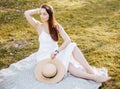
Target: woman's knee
{"points": [[71, 68]]}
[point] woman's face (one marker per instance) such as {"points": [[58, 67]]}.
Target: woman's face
{"points": [[44, 15]]}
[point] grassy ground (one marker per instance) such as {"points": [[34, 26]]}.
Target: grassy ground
{"points": [[93, 24]]}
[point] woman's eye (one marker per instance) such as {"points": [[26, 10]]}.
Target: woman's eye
{"points": [[44, 14]]}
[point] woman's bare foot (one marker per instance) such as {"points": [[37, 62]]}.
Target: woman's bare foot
{"points": [[101, 78]]}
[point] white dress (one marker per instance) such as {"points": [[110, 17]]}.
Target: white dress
{"points": [[20, 75]]}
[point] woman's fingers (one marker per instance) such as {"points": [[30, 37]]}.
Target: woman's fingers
{"points": [[53, 56]]}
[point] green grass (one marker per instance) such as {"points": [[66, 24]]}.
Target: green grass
{"points": [[93, 24]]}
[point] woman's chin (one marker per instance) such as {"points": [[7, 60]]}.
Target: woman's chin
{"points": [[44, 21]]}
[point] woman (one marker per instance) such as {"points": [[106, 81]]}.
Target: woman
{"points": [[48, 31]]}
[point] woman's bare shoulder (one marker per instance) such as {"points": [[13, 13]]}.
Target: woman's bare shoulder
{"points": [[39, 28], [59, 27]]}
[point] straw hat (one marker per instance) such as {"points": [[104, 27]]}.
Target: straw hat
{"points": [[49, 71]]}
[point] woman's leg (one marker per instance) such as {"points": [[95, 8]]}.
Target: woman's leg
{"points": [[78, 56], [78, 72]]}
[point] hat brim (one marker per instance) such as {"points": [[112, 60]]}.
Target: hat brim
{"points": [[60, 71]]}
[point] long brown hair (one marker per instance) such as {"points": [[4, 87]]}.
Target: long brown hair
{"points": [[51, 22]]}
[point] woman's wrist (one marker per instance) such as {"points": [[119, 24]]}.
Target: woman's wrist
{"points": [[57, 51], [34, 11]]}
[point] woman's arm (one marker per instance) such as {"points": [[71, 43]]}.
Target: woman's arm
{"points": [[65, 37], [35, 23]]}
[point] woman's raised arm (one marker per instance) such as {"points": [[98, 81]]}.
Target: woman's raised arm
{"points": [[35, 23]]}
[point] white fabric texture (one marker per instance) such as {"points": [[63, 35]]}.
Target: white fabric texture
{"points": [[20, 75]]}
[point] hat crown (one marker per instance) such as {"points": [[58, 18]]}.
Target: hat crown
{"points": [[49, 70]]}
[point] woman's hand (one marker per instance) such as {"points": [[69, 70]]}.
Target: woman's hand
{"points": [[54, 54], [38, 10]]}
